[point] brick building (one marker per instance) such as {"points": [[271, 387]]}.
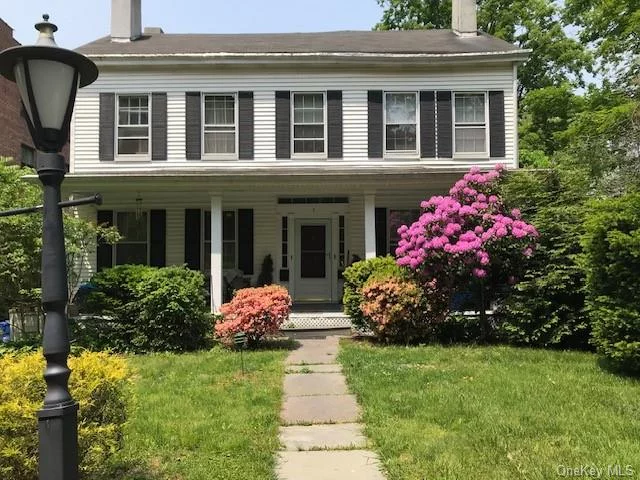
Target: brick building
{"points": [[15, 140]]}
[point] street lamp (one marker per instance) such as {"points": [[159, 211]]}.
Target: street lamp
{"points": [[48, 78]]}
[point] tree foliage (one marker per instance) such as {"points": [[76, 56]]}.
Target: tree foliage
{"points": [[547, 307], [21, 241], [613, 28], [532, 24]]}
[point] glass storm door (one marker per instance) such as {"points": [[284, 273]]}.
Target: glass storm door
{"points": [[313, 266]]}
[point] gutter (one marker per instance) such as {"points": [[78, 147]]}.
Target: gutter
{"points": [[298, 58]]}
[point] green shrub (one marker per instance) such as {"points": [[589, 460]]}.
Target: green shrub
{"points": [[99, 382], [612, 259], [355, 276], [546, 308], [145, 309]]}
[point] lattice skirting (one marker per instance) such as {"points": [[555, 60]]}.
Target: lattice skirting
{"points": [[316, 321]]}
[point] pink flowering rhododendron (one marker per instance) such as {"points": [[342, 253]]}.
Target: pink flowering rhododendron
{"points": [[255, 311], [459, 234]]}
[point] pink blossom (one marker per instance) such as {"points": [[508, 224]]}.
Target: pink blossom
{"points": [[479, 272], [515, 213]]}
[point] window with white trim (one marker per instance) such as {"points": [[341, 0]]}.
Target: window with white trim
{"points": [[133, 125], [229, 240], [134, 246], [470, 120], [309, 123], [219, 124], [401, 122]]}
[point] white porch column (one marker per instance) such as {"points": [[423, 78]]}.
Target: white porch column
{"points": [[216, 252], [370, 225]]}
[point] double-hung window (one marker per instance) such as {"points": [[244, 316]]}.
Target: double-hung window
{"points": [[133, 125], [229, 243], [220, 127], [309, 133], [134, 246], [400, 121], [470, 120]]}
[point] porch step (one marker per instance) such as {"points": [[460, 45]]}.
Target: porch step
{"points": [[316, 321]]}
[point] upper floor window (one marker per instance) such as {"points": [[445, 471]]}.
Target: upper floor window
{"points": [[309, 123], [220, 126], [133, 125], [134, 246], [400, 122], [470, 120]]}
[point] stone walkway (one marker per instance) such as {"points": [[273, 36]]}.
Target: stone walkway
{"points": [[320, 433]]}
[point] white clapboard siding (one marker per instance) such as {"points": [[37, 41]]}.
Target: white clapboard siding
{"points": [[176, 142], [264, 110], [355, 115], [264, 85]]}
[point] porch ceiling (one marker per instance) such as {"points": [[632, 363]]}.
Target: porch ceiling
{"points": [[283, 184]]}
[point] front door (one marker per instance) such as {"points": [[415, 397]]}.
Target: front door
{"points": [[313, 260]]}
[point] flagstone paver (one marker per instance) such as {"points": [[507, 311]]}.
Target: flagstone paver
{"points": [[320, 435], [299, 384], [323, 437], [329, 465], [307, 410]]}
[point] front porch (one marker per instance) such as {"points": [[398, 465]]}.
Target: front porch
{"points": [[317, 316], [311, 228]]}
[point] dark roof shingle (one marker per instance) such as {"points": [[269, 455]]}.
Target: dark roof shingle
{"points": [[343, 42]]}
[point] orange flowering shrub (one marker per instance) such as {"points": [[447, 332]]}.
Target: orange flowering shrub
{"points": [[401, 309], [255, 311]]}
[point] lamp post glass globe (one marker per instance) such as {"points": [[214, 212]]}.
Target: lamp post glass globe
{"points": [[48, 78]]}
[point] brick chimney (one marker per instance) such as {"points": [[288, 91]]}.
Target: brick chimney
{"points": [[464, 21], [126, 20]]}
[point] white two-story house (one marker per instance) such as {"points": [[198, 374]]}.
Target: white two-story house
{"points": [[217, 150]]}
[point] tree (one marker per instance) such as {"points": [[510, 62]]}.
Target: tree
{"points": [[81, 237], [21, 241], [547, 307], [466, 240], [534, 24], [545, 115], [612, 27]]}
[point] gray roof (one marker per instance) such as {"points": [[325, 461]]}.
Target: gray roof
{"points": [[436, 42]]}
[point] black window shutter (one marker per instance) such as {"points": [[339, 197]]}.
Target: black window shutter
{"points": [[375, 123], [104, 251], [496, 124], [334, 123], [192, 237], [245, 240], [193, 126], [381, 232], [427, 124], [283, 124], [445, 125], [158, 126], [107, 126], [245, 125], [158, 238]]}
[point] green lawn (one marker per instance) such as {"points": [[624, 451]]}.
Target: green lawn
{"points": [[198, 418], [493, 412]]}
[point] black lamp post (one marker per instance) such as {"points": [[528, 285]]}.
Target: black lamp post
{"points": [[48, 78]]}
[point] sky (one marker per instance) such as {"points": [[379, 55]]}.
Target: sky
{"points": [[81, 21]]}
